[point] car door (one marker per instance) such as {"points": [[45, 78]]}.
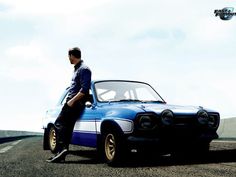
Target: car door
{"points": [[85, 130]]}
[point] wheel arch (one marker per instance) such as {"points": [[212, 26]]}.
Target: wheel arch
{"points": [[111, 127], [105, 126], [110, 124]]}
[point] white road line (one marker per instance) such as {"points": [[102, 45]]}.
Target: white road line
{"points": [[16, 142], [223, 141], [7, 148]]}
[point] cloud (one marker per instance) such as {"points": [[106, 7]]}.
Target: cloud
{"points": [[51, 7], [179, 47], [26, 53]]}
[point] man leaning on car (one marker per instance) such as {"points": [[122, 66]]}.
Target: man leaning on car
{"points": [[75, 104]]}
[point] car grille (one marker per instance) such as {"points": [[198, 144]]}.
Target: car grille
{"points": [[185, 121], [183, 125]]}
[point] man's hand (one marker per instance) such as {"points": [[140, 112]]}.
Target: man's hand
{"points": [[77, 97], [70, 103]]}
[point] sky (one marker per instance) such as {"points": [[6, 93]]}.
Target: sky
{"points": [[179, 47]]}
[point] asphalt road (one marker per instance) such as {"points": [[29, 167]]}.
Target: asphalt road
{"points": [[25, 157]]}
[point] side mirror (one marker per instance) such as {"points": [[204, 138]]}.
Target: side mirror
{"points": [[88, 104]]}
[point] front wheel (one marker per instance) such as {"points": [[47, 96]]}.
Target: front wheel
{"points": [[110, 147], [113, 147]]}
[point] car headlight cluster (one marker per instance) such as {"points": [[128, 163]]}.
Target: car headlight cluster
{"points": [[149, 121], [167, 117], [210, 120], [214, 121], [146, 122], [202, 117]]}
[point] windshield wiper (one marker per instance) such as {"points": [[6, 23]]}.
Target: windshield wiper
{"points": [[154, 101], [159, 101], [136, 100]]}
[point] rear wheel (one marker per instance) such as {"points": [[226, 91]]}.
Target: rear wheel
{"points": [[52, 139]]}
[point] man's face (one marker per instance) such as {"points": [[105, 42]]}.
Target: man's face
{"points": [[71, 58]]}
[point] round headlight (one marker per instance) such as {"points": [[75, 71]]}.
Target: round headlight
{"points": [[146, 122], [214, 121], [167, 117], [203, 117]]}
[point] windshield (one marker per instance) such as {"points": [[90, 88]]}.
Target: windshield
{"points": [[109, 91]]}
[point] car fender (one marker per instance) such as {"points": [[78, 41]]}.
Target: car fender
{"points": [[125, 126]]}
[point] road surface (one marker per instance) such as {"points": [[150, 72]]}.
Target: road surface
{"points": [[25, 158]]}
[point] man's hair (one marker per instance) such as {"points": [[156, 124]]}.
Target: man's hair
{"points": [[75, 52]]}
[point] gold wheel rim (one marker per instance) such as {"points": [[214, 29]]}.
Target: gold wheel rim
{"points": [[110, 146], [52, 139]]}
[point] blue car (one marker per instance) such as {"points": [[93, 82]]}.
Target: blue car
{"points": [[129, 116]]}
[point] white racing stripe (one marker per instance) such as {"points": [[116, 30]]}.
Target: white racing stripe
{"points": [[7, 148], [94, 126]]}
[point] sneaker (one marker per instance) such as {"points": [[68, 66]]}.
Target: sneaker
{"points": [[59, 157]]}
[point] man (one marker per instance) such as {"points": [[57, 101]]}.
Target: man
{"points": [[74, 106]]}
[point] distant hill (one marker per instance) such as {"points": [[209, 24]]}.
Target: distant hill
{"points": [[227, 128], [12, 133]]}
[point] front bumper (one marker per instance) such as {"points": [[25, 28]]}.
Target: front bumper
{"points": [[168, 142]]}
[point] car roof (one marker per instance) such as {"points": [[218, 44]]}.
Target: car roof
{"points": [[116, 80]]}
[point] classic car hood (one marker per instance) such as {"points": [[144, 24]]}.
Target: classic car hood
{"points": [[132, 109], [158, 108]]}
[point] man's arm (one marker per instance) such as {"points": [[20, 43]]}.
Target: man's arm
{"points": [[85, 81], [77, 97]]}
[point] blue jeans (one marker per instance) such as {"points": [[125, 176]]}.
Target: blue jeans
{"points": [[65, 124]]}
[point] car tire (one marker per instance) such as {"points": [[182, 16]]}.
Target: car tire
{"points": [[113, 149], [52, 139]]}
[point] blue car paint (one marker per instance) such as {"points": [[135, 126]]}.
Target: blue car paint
{"points": [[103, 111], [88, 126], [110, 111]]}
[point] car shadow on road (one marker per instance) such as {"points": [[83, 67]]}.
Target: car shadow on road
{"points": [[220, 156], [151, 160]]}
